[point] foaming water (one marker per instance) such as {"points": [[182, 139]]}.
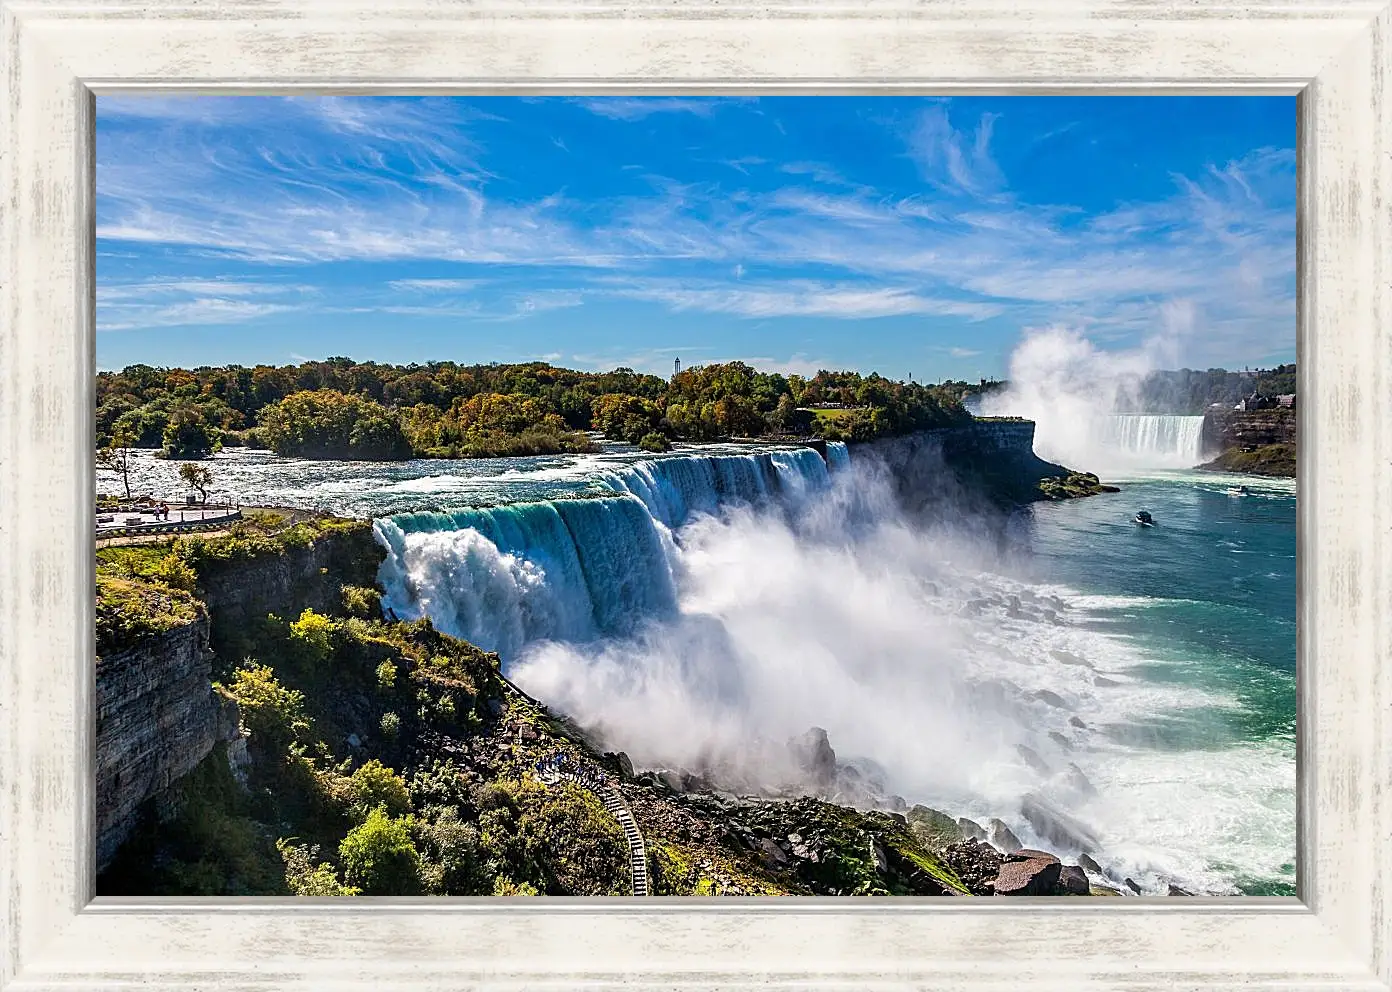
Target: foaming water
{"points": [[793, 596], [698, 609]]}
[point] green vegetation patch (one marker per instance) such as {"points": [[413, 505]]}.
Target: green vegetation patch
{"points": [[1271, 459], [349, 410], [131, 610], [1073, 486]]}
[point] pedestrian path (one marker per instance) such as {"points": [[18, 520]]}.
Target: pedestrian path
{"points": [[558, 768]]}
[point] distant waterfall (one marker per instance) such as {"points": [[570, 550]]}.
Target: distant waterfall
{"points": [[575, 569], [1156, 441]]}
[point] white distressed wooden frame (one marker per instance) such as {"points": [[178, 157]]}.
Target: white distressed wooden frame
{"points": [[57, 54]]}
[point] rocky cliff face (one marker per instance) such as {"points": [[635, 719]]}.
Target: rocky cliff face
{"points": [[240, 594], [994, 458], [1259, 442], [157, 713], [1223, 429], [157, 717]]}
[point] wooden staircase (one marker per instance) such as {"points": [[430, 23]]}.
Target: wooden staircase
{"points": [[614, 802]]}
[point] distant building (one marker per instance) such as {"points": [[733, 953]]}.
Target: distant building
{"points": [[1258, 402], [1286, 401]]}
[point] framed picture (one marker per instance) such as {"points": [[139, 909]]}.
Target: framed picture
{"points": [[618, 612]]}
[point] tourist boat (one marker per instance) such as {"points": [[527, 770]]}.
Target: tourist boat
{"points": [[1144, 518]]}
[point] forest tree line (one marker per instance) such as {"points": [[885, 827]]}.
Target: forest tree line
{"points": [[339, 408]]}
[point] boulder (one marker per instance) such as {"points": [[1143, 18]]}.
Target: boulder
{"points": [[670, 779], [1175, 890], [933, 829], [772, 852], [1089, 864], [1080, 782], [1069, 658], [1131, 885], [814, 755], [1073, 721], [1033, 759], [971, 830], [1073, 881], [1047, 696], [1056, 826], [1001, 837], [1028, 878], [1060, 740], [1030, 854]]}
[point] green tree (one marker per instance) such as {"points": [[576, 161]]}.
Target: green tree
{"points": [[116, 456], [380, 858], [326, 423], [271, 713], [305, 876], [187, 435], [199, 478], [377, 786]]}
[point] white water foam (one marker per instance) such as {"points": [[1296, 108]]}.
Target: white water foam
{"points": [[957, 685]]}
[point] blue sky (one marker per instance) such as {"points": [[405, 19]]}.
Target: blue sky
{"points": [[904, 235]]}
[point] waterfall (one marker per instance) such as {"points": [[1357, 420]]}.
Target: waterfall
{"points": [[838, 456], [1156, 441], [579, 568]]}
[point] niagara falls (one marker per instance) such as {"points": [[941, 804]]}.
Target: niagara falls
{"points": [[649, 497]]}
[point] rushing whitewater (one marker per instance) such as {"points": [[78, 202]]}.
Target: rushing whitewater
{"points": [[702, 609], [1154, 441], [575, 569]]}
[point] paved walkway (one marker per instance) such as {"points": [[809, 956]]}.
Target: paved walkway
{"points": [[558, 768], [142, 526]]}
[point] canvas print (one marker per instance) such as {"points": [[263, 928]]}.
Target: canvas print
{"points": [[690, 496]]}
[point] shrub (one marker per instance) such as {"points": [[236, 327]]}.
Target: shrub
{"points": [[299, 537], [390, 726], [304, 877], [313, 634], [453, 861], [377, 786], [386, 674], [379, 857], [271, 713], [503, 886], [174, 572], [655, 442], [360, 601], [578, 844]]}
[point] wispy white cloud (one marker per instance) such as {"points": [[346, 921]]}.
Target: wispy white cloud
{"points": [[381, 181], [951, 159], [638, 107], [437, 285], [188, 302], [800, 298]]}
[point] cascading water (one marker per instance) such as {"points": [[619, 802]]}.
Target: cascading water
{"points": [[574, 569], [1156, 441], [697, 611]]}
